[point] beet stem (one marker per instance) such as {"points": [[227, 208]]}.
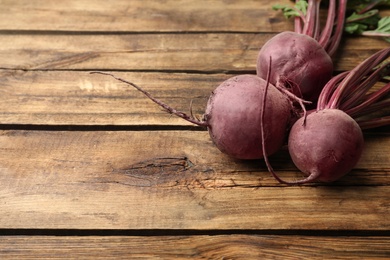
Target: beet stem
{"points": [[355, 76], [268, 164], [370, 6], [373, 123], [335, 40], [298, 24], [311, 14], [328, 90], [299, 20], [359, 94], [317, 27], [157, 101], [371, 100], [328, 28], [311, 177], [377, 34], [372, 109]]}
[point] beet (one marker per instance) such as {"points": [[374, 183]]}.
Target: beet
{"points": [[302, 60], [299, 63], [233, 116], [327, 146], [327, 143]]}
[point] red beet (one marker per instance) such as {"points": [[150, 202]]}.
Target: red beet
{"points": [[302, 59], [233, 116], [327, 146], [299, 63]]}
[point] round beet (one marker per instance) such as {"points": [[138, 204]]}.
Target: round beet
{"points": [[233, 115], [327, 146], [299, 63]]}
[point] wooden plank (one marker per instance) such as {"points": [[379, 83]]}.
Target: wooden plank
{"points": [[216, 170], [141, 16], [195, 247], [210, 52], [141, 191], [169, 180], [80, 98]]}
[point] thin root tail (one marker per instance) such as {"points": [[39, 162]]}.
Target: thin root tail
{"points": [[169, 109]]}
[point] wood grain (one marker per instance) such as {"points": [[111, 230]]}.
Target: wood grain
{"points": [[114, 180], [199, 52], [90, 168], [75, 98], [141, 16], [195, 247], [79, 98]]}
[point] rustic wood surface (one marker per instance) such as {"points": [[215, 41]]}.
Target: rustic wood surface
{"points": [[90, 168]]}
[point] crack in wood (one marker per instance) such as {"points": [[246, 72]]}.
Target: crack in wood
{"points": [[67, 60], [176, 172], [178, 163]]}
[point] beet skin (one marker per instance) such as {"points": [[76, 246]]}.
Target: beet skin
{"points": [[233, 114], [299, 63], [329, 144]]}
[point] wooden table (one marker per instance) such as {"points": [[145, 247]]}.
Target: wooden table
{"points": [[90, 168]]}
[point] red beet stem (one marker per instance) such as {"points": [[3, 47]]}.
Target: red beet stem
{"points": [[334, 42], [373, 123], [355, 76], [328, 90], [359, 93], [311, 177], [329, 36], [350, 92], [359, 110], [327, 32]]}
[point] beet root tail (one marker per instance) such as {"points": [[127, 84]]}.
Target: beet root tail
{"points": [[168, 108]]}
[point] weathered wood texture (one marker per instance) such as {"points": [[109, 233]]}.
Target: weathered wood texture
{"points": [[141, 16], [169, 180], [195, 247], [83, 152], [200, 52], [80, 98]]}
